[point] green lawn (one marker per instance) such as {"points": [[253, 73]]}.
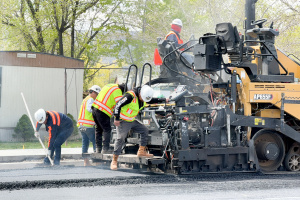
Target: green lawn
{"points": [[37, 145]]}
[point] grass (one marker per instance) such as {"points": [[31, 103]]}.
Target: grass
{"points": [[37, 145]]}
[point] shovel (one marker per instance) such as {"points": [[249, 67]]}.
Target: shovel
{"points": [[51, 161]]}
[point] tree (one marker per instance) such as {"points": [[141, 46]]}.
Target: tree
{"points": [[83, 29], [124, 32], [285, 16], [63, 27], [24, 129], [75, 131]]}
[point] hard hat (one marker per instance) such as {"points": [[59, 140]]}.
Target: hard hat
{"points": [[177, 22], [40, 116], [146, 93], [95, 88]]}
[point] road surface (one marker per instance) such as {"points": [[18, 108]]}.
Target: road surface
{"points": [[30, 180]]}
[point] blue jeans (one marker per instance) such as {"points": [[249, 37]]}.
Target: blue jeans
{"points": [[62, 136], [88, 134]]}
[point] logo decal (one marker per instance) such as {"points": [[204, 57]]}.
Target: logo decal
{"points": [[263, 96]]}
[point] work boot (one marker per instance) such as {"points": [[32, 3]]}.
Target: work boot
{"points": [[142, 152], [114, 162], [98, 149], [47, 161], [86, 162], [107, 150]]}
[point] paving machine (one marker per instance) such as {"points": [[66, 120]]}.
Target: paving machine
{"points": [[248, 123]]}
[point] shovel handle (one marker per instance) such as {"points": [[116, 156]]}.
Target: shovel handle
{"points": [[51, 161]]}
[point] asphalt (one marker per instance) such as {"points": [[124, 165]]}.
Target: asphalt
{"points": [[19, 155]]}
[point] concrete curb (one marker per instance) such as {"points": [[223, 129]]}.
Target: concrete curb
{"points": [[20, 155], [21, 158]]}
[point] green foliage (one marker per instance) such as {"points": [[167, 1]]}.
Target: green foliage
{"points": [[75, 131], [24, 129], [120, 33]]}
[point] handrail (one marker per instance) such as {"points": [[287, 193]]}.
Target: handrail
{"points": [[136, 71]]}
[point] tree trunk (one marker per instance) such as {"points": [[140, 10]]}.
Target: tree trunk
{"points": [[60, 43], [73, 29]]}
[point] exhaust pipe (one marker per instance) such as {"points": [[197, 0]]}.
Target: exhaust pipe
{"points": [[249, 16]]}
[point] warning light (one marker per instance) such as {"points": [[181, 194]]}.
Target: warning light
{"points": [[185, 119]]}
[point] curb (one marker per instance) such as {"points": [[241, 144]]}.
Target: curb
{"points": [[21, 158]]}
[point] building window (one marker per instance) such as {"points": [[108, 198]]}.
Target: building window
{"points": [[0, 84]]}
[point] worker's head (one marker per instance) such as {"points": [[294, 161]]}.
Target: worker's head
{"points": [[40, 116], [94, 91], [146, 93], [176, 25]]}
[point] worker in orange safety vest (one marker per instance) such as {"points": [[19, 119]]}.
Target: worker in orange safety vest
{"points": [[59, 126], [173, 35]]}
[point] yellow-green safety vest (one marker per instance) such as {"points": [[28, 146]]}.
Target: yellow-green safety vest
{"points": [[106, 100], [131, 110], [85, 117]]}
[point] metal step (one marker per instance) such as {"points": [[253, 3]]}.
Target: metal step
{"points": [[130, 158]]}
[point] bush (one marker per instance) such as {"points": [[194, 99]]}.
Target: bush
{"points": [[24, 129], [75, 131]]}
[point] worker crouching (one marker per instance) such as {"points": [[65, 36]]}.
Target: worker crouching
{"points": [[125, 112], [102, 110], [59, 127]]}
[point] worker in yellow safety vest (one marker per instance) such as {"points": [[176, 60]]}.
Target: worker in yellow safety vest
{"points": [[125, 112], [86, 123], [102, 111]]}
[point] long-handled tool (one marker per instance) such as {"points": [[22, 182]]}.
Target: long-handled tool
{"points": [[35, 130]]}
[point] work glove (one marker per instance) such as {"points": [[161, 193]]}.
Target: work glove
{"points": [[36, 134], [49, 153]]}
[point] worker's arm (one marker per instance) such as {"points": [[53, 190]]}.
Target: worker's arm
{"points": [[52, 130], [38, 126], [157, 100], [126, 99], [173, 38], [89, 104]]}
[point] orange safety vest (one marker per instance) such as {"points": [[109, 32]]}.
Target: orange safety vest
{"points": [[157, 58], [180, 41], [56, 121]]}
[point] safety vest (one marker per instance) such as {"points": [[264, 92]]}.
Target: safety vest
{"points": [[180, 41], [107, 98], [85, 117], [131, 110]]}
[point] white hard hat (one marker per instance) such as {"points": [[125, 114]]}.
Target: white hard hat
{"points": [[177, 22], [95, 88], [146, 93], [40, 116]]}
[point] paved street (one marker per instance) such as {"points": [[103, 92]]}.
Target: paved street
{"points": [[30, 179]]}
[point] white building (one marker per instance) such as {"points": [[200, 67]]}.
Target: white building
{"points": [[47, 81]]}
